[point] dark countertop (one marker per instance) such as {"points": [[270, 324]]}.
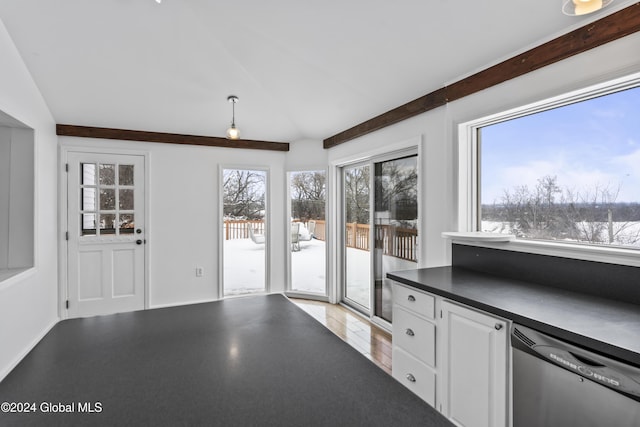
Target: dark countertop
{"points": [[609, 327]]}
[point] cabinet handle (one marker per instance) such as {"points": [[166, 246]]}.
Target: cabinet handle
{"points": [[411, 378], [411, 298], [498, 326], [410, 332]]}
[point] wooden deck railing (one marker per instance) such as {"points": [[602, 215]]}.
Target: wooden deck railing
{"points": [[397, 242], [239, 228], [394, 241]]}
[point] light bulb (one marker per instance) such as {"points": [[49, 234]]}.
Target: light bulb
{"points": [[233, 132]]}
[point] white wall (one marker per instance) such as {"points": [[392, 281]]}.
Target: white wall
{"points": [[28, 301], [184, 228]]}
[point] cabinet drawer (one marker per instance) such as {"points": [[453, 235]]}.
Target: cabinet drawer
{"points": [[415, 335], [414, 375], [414, 300]]}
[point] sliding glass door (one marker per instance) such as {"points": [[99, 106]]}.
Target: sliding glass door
{"points": [[244, 231], [383, 191]]}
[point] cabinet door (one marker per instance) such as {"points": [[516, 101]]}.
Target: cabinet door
{"points": [[474, 367]]}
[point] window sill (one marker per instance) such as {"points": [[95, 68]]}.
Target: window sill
{"points": [[619, 256], [9, 276]]}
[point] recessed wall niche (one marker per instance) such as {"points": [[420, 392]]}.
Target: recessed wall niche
{"points": [[16, 197]]}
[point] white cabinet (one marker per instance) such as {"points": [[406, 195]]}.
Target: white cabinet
{"points": [[414, 342], [474, 366], [452, 356]]}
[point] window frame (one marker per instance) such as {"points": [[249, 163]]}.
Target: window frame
{"points": [[469, 174]]}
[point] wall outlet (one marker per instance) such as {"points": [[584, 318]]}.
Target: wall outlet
{"points": [[199, 271]]}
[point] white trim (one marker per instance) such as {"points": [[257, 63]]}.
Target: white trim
{"points": [[11, 366], [468, 183]]}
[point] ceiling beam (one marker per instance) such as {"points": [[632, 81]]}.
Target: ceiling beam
{"points": [[602, 31], [167, 138]]}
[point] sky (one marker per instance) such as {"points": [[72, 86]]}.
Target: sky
{"points": [[588, 145]]}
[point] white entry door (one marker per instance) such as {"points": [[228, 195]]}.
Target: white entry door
{"points": [[106, 233]]}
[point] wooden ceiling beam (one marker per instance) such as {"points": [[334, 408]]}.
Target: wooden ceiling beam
{"points": [[167, 138], [602, 31]]}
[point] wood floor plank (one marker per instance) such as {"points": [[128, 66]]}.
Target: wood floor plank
{"points": [[370, 340]]}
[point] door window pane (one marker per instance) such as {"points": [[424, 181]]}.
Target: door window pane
{"points": [[126, 223], [88, 199], [88, 224], [126, 200], [357, 256], [88, 174], [308, 251], [107, 224], [396, 226], [107, 174], [125, 174], [107, 199]]}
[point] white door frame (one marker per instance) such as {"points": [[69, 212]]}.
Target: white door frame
{"points": [[63, 274]]}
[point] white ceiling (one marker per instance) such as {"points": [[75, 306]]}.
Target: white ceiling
{"points": [[302, 70]]}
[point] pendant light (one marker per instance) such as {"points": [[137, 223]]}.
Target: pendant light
{"points": [[233, 132], [583, 7]]}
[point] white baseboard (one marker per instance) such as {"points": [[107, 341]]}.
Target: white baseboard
{"points": [[26, 351]]}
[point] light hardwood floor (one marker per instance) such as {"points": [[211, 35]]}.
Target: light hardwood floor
{"points": [[368, 339]]}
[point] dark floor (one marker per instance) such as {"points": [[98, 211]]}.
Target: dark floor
{"points": [[255, 361]]}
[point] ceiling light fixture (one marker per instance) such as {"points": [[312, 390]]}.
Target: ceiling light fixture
{"points": [[233, 132], [583, 7]]}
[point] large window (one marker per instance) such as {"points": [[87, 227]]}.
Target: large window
{"points": [[568, 171], [308, 232]]}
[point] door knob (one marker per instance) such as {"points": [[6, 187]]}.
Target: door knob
{"points": [[138, 242]]}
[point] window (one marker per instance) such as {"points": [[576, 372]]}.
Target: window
{"points": [[564, 171], [307, 198]]}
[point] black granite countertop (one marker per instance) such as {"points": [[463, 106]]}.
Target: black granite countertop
{"points": [[606, 326]]}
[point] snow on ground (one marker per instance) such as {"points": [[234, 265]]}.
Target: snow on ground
{"points": [[626, 233], [308, 267], [244, 269]]}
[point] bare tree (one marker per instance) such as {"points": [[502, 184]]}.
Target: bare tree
{"points": [[357, 191], [308, 194], [549, 212], [244, 193]]}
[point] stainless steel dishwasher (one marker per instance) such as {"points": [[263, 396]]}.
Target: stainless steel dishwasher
{"points": [[559, 384]]}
